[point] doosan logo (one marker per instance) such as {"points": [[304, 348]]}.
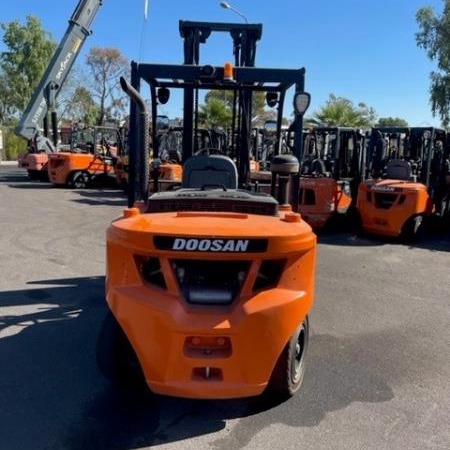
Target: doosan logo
{"points": [[383, 188], [190, 244], [211, 245]]}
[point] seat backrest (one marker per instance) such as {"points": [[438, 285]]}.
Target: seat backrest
{"points": [[398, 169], [209, 170]]}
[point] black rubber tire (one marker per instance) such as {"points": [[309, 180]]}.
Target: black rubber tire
{"points": [[116, 358], [79, 180], [354, 221], [287, 376], [413, 229], [445, 209]]}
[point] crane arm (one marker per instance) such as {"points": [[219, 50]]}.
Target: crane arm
{"points": [[56, 74]]}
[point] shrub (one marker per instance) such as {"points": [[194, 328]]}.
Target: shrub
{"points": [[13, 145]]}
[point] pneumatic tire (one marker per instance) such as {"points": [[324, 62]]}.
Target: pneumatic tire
{"points": [[116, 358], [287, 376], [79, 180], [414, 229]]}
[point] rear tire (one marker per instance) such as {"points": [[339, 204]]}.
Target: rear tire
{"points": [[287, 376], [354, 221], [79, 180], [413, 229], [116, 358]]}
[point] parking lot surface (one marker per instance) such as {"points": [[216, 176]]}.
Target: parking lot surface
{"points": [[378, 368]]}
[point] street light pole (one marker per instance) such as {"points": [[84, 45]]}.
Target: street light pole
{"points": [[226, 5]]}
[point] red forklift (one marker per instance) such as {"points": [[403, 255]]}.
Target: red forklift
{"points": [[209, 287]]}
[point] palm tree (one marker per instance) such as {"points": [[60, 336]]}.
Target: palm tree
{"points": [[339, 111]]}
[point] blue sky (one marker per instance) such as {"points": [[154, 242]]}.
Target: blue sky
{"points": [[362, 50]]}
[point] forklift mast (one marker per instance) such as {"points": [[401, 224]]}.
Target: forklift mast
{"points": [[417, 145], [243, 80], [43, 99], [193, 33], [244, 37]]}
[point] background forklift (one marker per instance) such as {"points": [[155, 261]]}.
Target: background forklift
{"points": [[332, 167], [406, 183], [209, 286], [91, 159]]}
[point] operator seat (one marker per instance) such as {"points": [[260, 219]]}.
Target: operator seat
{"points": [[399, 169], [200, 171]]}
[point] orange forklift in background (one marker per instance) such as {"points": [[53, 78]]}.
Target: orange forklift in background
{"points": [[166, 168], [91, 159], [332, 168], [406, 182], [209, 287], [36, 161]]}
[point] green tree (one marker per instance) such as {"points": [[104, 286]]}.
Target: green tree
{"points": [[79, 107], [107, 65], [391, 122], [215, 112], [14, 145], [434, 37], [6, 108], [29, 50], [341, 112], [259, 111]]}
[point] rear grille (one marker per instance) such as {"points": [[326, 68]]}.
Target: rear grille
{"points": [[233, 201], [55, 163], [150, 269], [210, 282], [384, 201], [269, 274], [307, 197], [242, 207]]}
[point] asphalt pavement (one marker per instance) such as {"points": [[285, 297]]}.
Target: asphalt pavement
{"points": [[378, 368]]}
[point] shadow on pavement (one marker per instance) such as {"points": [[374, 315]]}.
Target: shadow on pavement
{"points": [[111, 197], [436, 240], [52, 396]]}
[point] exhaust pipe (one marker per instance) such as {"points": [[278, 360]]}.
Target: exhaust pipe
{"points": [[140, 165]]}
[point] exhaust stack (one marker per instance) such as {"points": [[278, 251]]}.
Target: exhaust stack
{"points": [[139, 160]]}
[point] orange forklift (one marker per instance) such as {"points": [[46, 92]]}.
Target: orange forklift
{"points": [[332, 168], [406, 185], [209, 287], [165, 168], [165, 158], [91, 159]]}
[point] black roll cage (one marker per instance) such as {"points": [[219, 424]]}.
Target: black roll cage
{"points": [[191, 77]]}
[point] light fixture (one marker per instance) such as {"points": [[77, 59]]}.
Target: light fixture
{"points": [[163, 95], [226, 5], [271, 99], [301, 102]]}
